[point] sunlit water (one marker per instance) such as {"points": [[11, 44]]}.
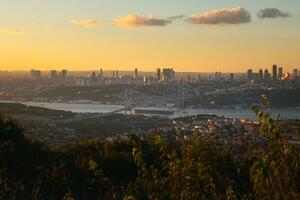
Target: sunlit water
{"points": [[291, 113]]}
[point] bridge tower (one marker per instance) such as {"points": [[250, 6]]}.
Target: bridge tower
{"points": [[180, 96], [128, 100]]}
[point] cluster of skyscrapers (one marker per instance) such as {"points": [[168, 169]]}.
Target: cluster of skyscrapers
{"points": [[277, 74], [54, 74]]}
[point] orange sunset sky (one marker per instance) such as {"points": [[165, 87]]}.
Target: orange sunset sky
{"points": [[190, 35]]}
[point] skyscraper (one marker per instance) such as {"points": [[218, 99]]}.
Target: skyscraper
{"points": [[267, 76], [280, 72], [135, 76], [101, 73], [168, 74], [249, 74], [158, 74], [274, 74], [231, 77], [295, 73], [35, 73], [260, 75], [64, 74], [53, 74]]}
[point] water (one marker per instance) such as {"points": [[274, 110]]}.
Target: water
{"points": [[290, 113]]}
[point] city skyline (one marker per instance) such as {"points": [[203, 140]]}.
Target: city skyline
{"points": [[193, 36]]}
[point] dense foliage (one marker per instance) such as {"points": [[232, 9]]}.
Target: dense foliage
{"points": [[150, 168]]}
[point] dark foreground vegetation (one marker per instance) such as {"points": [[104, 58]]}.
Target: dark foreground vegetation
{"points": [[150, 168]]}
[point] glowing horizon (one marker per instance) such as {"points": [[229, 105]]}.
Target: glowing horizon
{"points": [[193, 36]]}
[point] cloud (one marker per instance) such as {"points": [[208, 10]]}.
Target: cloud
{"points": [[237, 15], [176, 17], [12, 30], [137, 21], [88, 23], [272, 13]]}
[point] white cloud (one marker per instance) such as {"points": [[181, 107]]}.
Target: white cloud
{"points": [[89, 23], [237, 15], [137, 21]]}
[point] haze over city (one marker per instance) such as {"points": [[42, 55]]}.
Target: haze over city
{"points": [[199, 36]]}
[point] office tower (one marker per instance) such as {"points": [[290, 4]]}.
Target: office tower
{"points": [[146, 80], [114, 74], [168, 74], [260, 75], [249, 74], [117, 74], [158, 74], [64, 74], [280, 73], [35, 73], [101, 73], [295, 73], [267, 75], [231, 77], [274, 72], [199, 77], [135, 76], [53, 74], [218, 75], [93, 78]]}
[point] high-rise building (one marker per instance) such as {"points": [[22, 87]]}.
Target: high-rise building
{"points": [[168, 74], [231, 77], [260, 75], [64, 74], [295, 73], [114, 74], [93, 78], [101, 73], [146, 80], [274, 74], [267, 75], [53, 74], [117, 74], [218, 75], [249, 74], [35, 73], [158, 74], [199, 77], [135, 76], [280, 72]]}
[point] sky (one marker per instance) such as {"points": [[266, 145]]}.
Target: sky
{"points": [[188, 35]]}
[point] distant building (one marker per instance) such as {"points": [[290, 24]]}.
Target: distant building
{"points": [[199, 77], [53, 74], [295, 74], [135, 76], [267, 75], [260, 75], [218, 75], [93, 78], [101, 73], [146, 80], [189, 78], [117, 74], [168, 74], [274, 74], [249, 74], [64, 74], [231, 77], [158, 74], [35, 73], [114, 74], [280, 73]]}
